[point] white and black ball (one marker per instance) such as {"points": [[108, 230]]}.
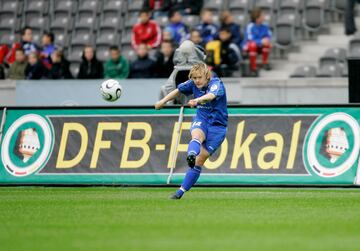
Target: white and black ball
{"points": [[111, 90]]}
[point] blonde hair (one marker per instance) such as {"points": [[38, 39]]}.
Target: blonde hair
{"points": [[201, 69]]}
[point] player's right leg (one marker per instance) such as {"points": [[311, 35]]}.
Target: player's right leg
{"points": [[197, 138]]}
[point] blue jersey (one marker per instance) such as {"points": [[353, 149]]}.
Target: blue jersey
{"points": [[215, 111], [256, 32]]}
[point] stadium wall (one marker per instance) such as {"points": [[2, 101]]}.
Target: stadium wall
{"points": [[146, 92], [265, 145]]}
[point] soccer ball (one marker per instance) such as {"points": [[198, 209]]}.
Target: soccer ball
{"points": [[110, 90]]}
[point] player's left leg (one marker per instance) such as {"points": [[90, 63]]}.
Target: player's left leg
{"points": [[193, 174], [215, 137]]}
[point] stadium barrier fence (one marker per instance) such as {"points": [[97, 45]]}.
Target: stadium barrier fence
{"points": [[265, 145]]}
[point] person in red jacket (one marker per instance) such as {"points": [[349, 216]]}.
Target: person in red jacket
{"points": [[146, 31]]}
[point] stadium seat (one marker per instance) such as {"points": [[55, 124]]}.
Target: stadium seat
{"points": [[62, 20], [75, 53], [85, 22], [333, 56], [37, 6], [314, 14], [9, 21], [305, 71], [111, 22], [345, 71], [66, 6], [162, 21], [215, 6], [128, 53], [74, 68], [61, 38], [191, 20], [131, 19], [240, 17], [241, 5], [114, 6], [37, 35], [11, 6], [293, 4], [330, 71], [82, 36], [107, 36], [354, 47], [285, 32], [216, 19], [339, 6], [102, 52], [126, 38], [135, 5], [290, 7], [38, 23], [89, 6]]}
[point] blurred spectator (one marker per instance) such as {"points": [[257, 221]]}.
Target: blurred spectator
{"points": [[257, 40], [164, 63], [117, 66], [223, 55], [227, 20], [17, 69], [90, 67], [177, 27], [208, 30], [26, 41], [60, 68], [2, 71], [35, 69], [48, 48], [146, 31], [196, 38], [167, 35], [143, 66], [350, 26], [158, 7], [4, 49], [187, 7]]}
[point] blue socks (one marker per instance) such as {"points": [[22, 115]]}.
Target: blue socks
{"points": [[192, 175], [194, 147]]}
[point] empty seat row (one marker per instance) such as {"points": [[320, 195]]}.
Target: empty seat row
{"points": [[333, 63]]}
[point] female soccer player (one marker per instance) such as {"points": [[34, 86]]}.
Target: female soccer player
{"points": [[209, 125]]}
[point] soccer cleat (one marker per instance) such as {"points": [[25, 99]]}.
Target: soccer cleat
{"points": [[254, 74], [191, 160], [267, 67], [175, 197]]}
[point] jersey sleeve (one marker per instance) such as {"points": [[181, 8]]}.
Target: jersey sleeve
{"points": [[186, 88], [216, 88]]}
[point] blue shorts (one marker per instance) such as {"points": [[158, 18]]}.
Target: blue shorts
{"points": [[214, 134]]}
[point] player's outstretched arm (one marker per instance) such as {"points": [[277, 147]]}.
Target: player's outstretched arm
{"points": [[166, 99], [201, 100]]}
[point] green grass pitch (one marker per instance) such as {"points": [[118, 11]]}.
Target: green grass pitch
{"points": [[110, 218]]}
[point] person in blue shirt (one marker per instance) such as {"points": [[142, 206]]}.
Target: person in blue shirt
{"points": [[207, 29], [47, 49], [26, 41], [178, 29], [209, 125], [257, 39]]}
